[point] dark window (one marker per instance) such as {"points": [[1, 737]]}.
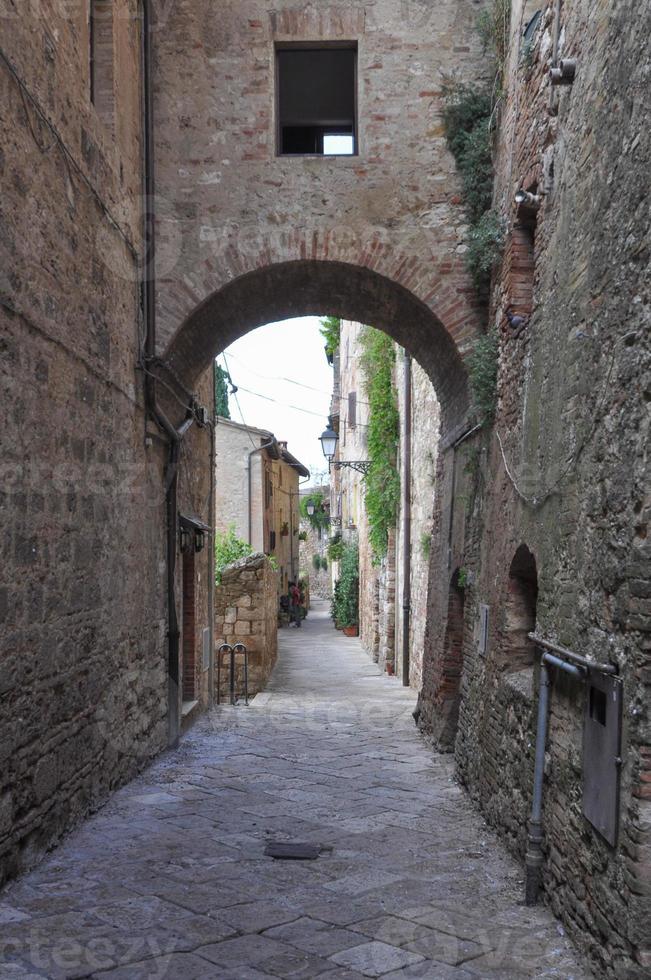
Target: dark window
{"points": [[101, 58], [316, 101], [352, 409]]}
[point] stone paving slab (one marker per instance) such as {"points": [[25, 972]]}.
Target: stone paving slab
{"points": [[170, 880]]}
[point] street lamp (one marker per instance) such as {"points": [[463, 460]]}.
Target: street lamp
{"points": [[329, 440], [310, 509]]}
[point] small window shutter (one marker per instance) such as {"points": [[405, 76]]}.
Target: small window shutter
{"points": [[352, 409]]}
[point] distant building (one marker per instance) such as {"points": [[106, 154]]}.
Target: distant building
{"points": [[257, 492]]}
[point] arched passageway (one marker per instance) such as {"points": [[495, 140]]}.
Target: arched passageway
{"points": [[308, 287]]}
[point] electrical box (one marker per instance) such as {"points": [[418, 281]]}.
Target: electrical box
{"points": [[602, 738], [205, 636]]}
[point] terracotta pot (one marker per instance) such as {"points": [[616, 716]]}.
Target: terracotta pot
{"points": [[351, 630], [390, 670]]}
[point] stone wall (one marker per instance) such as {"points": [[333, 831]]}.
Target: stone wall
{"points": [[315, 544], [565, 472], [246, 611], [83, 648]]}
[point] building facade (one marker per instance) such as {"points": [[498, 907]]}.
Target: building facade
{"points": [[266, 515]]}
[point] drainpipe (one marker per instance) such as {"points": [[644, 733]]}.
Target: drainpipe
{"points": [[534, 858], [406, 509], [174, 435], [249, 480]]}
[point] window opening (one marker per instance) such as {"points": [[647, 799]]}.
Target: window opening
{"points": [[316, 90]]}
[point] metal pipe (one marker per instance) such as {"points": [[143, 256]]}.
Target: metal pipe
{"points": [[578, 672], [406, 509], [534, 858], [570, 655]]}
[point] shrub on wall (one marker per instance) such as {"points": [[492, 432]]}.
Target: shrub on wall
{"points": [[331, 331], [228, 549]]}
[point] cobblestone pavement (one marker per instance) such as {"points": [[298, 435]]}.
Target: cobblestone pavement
{"points": [[170, 880]]}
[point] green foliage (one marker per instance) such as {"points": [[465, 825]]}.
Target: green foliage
{"points": [[302, 535], [331, 331], [345, 605], [221, 392], [467, 118], [324, 564], [335, 548], [316, 562], [466, 121], [382, 480], [485, 242], [482, 372], [462, 578], [425, 544], [228, 548], [319, 519], [493, 27]]}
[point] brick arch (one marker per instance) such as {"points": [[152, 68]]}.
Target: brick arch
{"points": [[322, 287]]}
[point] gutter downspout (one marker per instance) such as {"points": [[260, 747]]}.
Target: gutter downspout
{"points": [[148, 288], [265, 445], [406, 505]]}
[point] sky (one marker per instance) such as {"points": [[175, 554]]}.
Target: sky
{"points": [[284, 362]]}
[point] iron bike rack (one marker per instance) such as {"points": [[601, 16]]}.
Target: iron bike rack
{"points": [[233, 650]]}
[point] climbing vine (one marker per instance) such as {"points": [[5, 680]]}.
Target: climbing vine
{"points": [[482, 373], [382, 480], [319, 520], [345, 605], [221, 392], [330, 330]]}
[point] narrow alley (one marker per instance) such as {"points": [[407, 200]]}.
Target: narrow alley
{"points": [[170, 880]]}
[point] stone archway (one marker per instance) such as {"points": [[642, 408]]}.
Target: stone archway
{"points": [[311, 287]]}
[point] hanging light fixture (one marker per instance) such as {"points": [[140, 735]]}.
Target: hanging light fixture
{"points": [[329, 440], [310, 508]]}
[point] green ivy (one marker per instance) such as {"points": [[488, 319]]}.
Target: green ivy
{"points": [[485, 242], [319, 519], [382, 480], [331, 332], [335, 548], [316, 562], [345, 606], [482, 372], [221, 392]]}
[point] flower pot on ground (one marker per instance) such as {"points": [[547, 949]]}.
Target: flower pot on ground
{"points": [[389, 669], [351, 630]]}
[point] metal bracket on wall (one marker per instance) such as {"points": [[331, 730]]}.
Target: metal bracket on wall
{"points": [[361, 465]]}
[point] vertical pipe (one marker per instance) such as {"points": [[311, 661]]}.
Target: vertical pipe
{"points": [[534, 856], [406, 509], [211, 569]]}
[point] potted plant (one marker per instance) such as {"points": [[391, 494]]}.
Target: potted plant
{"points": [[284, 531]]}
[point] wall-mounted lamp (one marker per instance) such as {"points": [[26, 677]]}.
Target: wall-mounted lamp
{"points": [[310, 509], [528, 201], [329, 440], [185, 538], [564, 74], [199, 540]]}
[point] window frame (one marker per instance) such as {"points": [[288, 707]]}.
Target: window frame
{"points": [[350, 45]]}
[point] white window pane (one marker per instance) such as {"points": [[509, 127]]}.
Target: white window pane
{"points": [[341, 145]]}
